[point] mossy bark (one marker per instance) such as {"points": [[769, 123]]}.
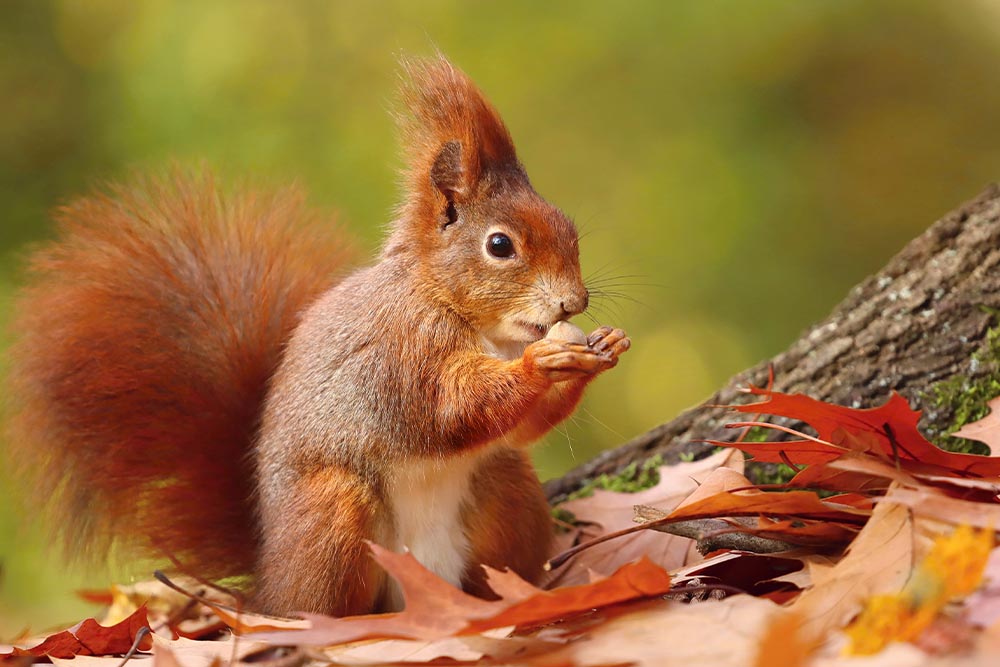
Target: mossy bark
{"points": [[923, 326]]}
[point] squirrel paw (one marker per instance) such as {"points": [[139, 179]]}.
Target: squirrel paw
{"points": [[610, 342], [559, 361]]}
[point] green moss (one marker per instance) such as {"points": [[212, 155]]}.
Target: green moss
{"points": [[563, 519], [966, 398], [633, 478], [757, 434], [772, 473]]}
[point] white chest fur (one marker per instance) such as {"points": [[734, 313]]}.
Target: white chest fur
{"points": [[427, 499]]}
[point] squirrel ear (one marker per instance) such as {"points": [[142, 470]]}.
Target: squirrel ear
{"points": [[451, 133], [447, 173]]}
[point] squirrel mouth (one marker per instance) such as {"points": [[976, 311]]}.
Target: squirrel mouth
{"points": [[537, 331]]}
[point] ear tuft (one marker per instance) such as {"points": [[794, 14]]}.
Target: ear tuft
{"points": [[451, 133]]}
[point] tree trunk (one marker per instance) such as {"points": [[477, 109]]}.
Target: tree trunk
{"points": [[921, 321]]}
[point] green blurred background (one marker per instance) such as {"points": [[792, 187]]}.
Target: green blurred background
{"points": [[739, 165]]}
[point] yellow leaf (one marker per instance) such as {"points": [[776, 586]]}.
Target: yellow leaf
{"points": [[953, 568]]}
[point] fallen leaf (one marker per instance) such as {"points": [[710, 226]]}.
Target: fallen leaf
{"points": [[878, 561], [802, 504], [138, 660], [782, 643], [806, 533], [634, 581], [90, 638], [459, 649], [720, 633], [164, 657], [200, 653], [798, 452], [246, 622], [986, 430], [719, 480], [952, 568], [608, 512], [868, 474], [933, 505], [739, 569], [982, 608], [892, 425], [434, 609]]}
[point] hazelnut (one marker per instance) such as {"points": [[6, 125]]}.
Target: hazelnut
{"points": [[567, 333]]}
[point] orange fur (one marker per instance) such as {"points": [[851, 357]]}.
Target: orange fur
{"points": [[190, 378], [321, 560], [508, 521], [144, 345], [441, 104]]}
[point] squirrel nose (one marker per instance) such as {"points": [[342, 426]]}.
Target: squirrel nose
{"points": [[575, 304]]}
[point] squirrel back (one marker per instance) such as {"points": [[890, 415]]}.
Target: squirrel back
{"points": [[144, 346]]}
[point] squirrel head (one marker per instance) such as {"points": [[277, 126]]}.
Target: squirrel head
{"points": [[477, 233]]}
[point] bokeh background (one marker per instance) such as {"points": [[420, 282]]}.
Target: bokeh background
{"points": [[737, 165]]}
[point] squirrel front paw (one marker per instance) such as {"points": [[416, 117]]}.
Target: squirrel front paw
{"points": [[561, 360], [609, 341]]}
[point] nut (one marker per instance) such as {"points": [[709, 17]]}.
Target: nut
{"points": [[567, 333]]}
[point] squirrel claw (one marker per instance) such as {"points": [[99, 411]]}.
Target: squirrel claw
{"points": [[612, 342]]}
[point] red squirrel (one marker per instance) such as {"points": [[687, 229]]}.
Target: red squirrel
{"points": [[190, 376]]}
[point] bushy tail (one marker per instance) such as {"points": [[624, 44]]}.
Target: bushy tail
{"points": [[144, 344]]}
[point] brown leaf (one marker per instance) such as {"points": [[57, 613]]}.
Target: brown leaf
{"points": [[608, 512], [749, 572], [632, 582], [164, 657], [802, 504], [890, 428], [878, 561], [90, 638], [719, 480], [782, 643], [867, 474], [434, 609], [799, 452], [193, 653], [244, 622], [720, 633], [470, 648], [982, 608], [930, 504], [815, 533], [986, 430]]}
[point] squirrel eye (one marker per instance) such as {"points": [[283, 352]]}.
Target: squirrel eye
{"points": [[499, 245]]}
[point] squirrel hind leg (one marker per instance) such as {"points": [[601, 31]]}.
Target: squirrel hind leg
{"points": [[314, 556], [508, 523]]}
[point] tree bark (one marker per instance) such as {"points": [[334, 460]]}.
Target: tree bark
{"points": [[918, 321]]}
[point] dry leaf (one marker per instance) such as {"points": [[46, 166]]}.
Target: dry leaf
{"points": [[461, 649], [719, 480], [932, 505], [891, 428], [878, 561], [434, 609], [90, 638], [801, 504], [782, 644], [986, 430], [982, 608], [720, 633], [609, 512], [632, 582]]}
